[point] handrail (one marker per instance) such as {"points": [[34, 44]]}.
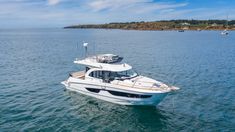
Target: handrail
{"points": [[140, 87], [136, 81]]}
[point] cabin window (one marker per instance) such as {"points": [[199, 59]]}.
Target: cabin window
{"points": [[129, 95], [112, 76], [127, 74], [96, 74], [122, 75], [104, 75], [108, 76]]}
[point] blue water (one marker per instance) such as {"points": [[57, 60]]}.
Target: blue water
{"points": [[33, 62]]}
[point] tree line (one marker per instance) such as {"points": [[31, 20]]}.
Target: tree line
{"points": [[165, 25]]}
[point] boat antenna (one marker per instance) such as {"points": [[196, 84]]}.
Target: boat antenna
{"points": [[85, 45], [77, 45], [227, 22]]}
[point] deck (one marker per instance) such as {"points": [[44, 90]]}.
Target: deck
{"points": [[79, 74]]}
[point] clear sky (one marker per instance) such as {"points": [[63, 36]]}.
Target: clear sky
{"points": [[59, 13]]}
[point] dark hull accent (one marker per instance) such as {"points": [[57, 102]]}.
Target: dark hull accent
{"points": [[94, 90], [129, 95], [117, 93]]}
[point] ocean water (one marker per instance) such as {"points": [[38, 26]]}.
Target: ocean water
{"points": [[33, 62]]}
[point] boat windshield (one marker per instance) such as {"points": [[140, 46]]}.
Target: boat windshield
{"points": [[123, 75]]}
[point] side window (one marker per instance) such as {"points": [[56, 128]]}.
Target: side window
{"points": [[112, 76], [99, 74], [96, 74]]}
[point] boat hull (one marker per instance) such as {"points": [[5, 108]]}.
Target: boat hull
{"points": [[105, 93]]}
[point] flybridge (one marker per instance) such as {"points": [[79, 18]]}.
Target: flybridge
{"points": [[101, 61], [109, 62]]}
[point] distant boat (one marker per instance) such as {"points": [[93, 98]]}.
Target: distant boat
{"points": [[199, 29], [225, 32], [181, 30]]}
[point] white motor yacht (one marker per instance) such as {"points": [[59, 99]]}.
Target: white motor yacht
{"points": [[115, 82]]}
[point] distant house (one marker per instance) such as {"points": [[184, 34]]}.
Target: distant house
{"points": [[214, 25], [185, 28], [185, 24]]}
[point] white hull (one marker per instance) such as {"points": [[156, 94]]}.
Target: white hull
{"points": [[103, 94]]}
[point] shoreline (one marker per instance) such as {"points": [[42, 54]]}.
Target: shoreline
{"points": [[170, 25], [155, 29]]}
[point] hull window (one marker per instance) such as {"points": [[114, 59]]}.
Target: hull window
{"points": [[129, 95], [94, 90]]}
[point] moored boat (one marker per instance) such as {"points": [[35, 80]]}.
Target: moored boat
{"points": [[225, 32]]}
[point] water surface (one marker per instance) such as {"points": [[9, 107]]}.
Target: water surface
{"points": [[33, 62]]}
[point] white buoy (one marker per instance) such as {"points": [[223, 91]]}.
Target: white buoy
{"points": [[85, 45]]}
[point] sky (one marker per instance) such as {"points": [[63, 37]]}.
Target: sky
{"points": [[60, 13]]}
